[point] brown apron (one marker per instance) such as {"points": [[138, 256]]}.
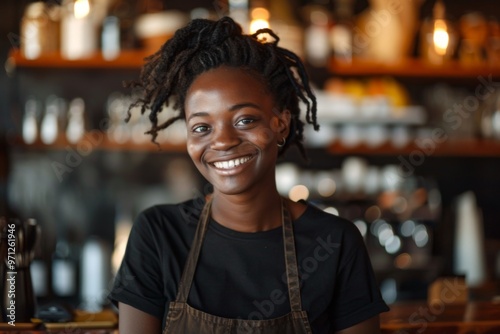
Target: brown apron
{"points": [[183, 319]]}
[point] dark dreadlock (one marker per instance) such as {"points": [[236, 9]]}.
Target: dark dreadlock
{"points": [[203, 45]]}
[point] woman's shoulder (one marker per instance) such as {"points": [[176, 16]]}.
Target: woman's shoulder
{"points": [[319, 219], [312, 211], [167, 214]]}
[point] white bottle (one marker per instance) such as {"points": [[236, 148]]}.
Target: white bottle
{"points": [[469, 252], [63, 271], [30, 128], [78, 30], [110, 38], [49, 127], [76, 123], [95, 274], [317, 39]]}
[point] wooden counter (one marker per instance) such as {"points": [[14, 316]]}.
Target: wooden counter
{"points": [[441, 318], [403, 318], [105, 322]]}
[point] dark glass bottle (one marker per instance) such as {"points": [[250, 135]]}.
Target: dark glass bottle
{"points": [[341, 33], [125, 11]]}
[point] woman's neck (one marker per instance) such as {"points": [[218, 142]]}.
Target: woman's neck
{"points": [[248, 213]]}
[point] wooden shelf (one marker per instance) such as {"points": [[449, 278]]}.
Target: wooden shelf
{"points": [[451, 148], [414, 68], [101, 142], [129, 59]]}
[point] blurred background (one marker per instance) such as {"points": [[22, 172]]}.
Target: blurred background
{"points": [[409, 107]]}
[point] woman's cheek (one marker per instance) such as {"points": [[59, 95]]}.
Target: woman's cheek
{"points": [[265, 137], [192, 149]]}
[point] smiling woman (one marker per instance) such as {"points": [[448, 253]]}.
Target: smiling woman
{"points": [[240, 259]]}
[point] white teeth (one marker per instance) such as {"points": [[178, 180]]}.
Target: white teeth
{"points": [[231, 163]]}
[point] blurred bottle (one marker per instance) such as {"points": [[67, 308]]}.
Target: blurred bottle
{"points": [[64, 268], [384, 21], [285, 23], [39, 30], [490, 118], [30, 124], [78, 30], [95, 274], [341, 33], [316, 35], [469, 251], [123, 14], [493, 43], [76, 122], [39, 274], [116, 108], [49, 128], [110, 38], [474, 38], [438, 37]]}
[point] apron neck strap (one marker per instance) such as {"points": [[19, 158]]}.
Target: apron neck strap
{"points": [[292, 272], [194, 253]]}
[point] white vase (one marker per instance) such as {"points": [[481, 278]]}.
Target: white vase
{"points": [[469, 253]]}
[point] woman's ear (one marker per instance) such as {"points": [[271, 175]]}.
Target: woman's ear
{"points": [[284, 122]]}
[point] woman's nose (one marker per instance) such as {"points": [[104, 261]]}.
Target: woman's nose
{"points": [[224, 138]]}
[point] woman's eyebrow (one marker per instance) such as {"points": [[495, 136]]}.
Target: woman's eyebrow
{"points": [[197, 114], [244, 105], [233, 108]]}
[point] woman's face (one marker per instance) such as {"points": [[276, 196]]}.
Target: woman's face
{"points": [[233, 129]]}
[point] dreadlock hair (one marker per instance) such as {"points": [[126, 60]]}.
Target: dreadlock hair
{"points": [[203, 45]]}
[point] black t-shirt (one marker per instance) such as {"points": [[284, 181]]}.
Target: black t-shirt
{"points": [[242, 275]]}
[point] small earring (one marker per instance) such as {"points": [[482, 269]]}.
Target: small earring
{"points": [[280, 145]]}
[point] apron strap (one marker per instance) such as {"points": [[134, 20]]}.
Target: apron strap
{"points": [[292, 272], [194, 254]]}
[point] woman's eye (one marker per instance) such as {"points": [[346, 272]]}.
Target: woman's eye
{"points": [[200, 129], [245, 121]]}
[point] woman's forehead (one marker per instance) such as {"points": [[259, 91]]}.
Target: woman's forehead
{"points": [[228, 82]]}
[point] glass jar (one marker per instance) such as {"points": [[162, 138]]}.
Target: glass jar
{"points": [[78, 30], [39, 30]]}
